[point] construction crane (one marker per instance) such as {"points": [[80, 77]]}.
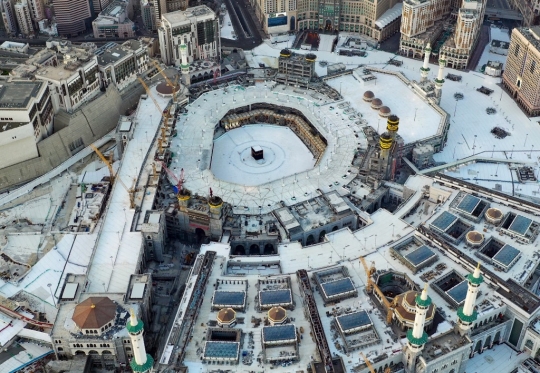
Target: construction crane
{"points": [[108, 163], [169, 83], [371, 286], [370, 367], [179, 181], [148, 92], [369, 272]]}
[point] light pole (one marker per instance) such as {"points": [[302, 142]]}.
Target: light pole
{"points": [[512, 154], [530, 154], [54, 302], [474, 145], [392, 225], [308, 262], [340, 88], [492, 151], [454, 156], [415, 110]]}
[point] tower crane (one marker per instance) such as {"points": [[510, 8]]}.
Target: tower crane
{"points": [[179, 181], [108, 163], [148, 92], [371, 286], [370, 367], [173, 86]]}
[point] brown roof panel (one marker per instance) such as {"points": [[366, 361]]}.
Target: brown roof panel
{"points": [[94, 312]]}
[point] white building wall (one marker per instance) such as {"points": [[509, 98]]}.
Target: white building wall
{"points": [[17, 145]]}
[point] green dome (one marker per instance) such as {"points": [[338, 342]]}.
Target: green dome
{"points": [[142, 368], [134, 329], [421, 302], [417, 341], [465, 318], [475, 280]]}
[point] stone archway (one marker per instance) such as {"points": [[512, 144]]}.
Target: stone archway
{"points": [[335, 228], [79, 352], [310, 240], [254, 249], [322, 235], [497, 339], [488, 343], [328, 25], [93, 352], [239, 250], [292, 25], [529, 344], [269, 249], [478, 347]]}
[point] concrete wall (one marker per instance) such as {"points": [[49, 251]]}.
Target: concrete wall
{"points": [[78, 130]]}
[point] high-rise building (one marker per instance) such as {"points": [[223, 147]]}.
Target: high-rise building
{"points": [[522, 70], [148, 15], [24, 19], [420, 24], [37, 11], [8, 16], [72, 16], [378, 19], [458, 48], [197, 28], [425, 22]]}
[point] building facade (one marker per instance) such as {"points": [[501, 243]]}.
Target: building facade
{"points": [[375, 19], [148, 15], [522, 70], [26, 117], [8, 16], [197, 28], [24, 19], [120, 64], [73, 82], [72, 16], [424, 22], [114, 21]]}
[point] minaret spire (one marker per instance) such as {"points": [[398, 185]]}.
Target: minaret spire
{"points": [[185, 64], [440, 78], [467, 314], [424, 70], [417, 337], [141, 362]]}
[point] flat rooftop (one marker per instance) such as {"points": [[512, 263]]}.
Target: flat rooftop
{"points": [[418, 119], [17, 94], [270, 297], [180, 16], [111, 55], [420, 255]]}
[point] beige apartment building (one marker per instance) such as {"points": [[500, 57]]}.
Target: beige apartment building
{"points": [[424, 22], [522, 70], [377, 19]]}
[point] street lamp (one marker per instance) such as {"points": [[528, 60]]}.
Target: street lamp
{"points": [[474, 145], [54, 302]]}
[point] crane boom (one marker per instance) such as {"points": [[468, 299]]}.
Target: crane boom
{"points": [[173, 86], [179, 181], [131, 191], [149, 93], [371, 286], [371, 369]]}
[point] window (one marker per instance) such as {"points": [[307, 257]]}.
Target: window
{"points": [[533, 65], [516, 50], [60, 349]]}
